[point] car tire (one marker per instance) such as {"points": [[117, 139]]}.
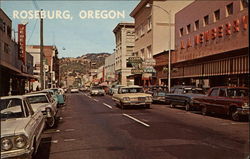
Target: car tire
{"points": [[187, 107], [122, 105], [148, 106], [51, 122], [234, 115], [204, 110], [172, 105]]}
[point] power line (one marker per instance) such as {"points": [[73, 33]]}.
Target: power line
{"points": [[32, 31]]}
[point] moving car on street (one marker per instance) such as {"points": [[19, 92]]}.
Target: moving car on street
{"points": [[132, 96], [231, 101], [40, 102], [97, 90], [183, 96], [21, 127], [74, 90]]}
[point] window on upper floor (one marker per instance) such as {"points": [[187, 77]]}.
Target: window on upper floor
{"points": [[196, 25], [9, 31], [206, 20], [142, 53], [188, 28], [216, 15], [243, 4], [149, 50], [181, 32], [6, 48], [149, 23], [229, 9]]}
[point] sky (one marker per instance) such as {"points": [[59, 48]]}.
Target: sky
{"points": [[86, 27]]}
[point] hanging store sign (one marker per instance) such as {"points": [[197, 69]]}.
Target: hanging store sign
{"points": [[136, 71], [149, 62], [149, 69], [135, 59], [22, 41]]}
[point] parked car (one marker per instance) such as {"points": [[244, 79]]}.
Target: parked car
{"points": [[132, 96], [152, 89], [50, 94], [59, 95], [183, 96], [21, 127], [231, 101], [74, 90], [159, 96], [40, 102], [97, 90]]}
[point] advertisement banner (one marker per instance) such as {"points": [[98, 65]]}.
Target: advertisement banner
{"points": [[21, 41]]}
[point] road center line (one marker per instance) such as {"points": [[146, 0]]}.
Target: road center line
{"points": [[67, 140], [69, 130], [107, 105], [136, 120], [52, 141], [96, 100]]}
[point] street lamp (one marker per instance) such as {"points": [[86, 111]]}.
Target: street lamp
{"points": [[148, 5]]}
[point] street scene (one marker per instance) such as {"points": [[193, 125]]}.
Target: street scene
{"points": [[146, 79]]}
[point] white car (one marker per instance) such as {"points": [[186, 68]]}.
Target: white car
{"points": [[97, 90], [21, 127], [74, 90], [41, 102]]}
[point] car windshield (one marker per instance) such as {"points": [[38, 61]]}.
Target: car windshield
{"points": [[38, 99], [237, 92], [11, 108], [195, 91], [162, 94], [131, 90]]}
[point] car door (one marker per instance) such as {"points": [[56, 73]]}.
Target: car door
{"points": [[223, 101], [37, 121], [211, 101]]}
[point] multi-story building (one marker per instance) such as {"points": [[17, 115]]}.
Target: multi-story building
{"points": [[51, 67], [15, 72], [124, 38], [154, 33], [212, 44], [109, 69]]}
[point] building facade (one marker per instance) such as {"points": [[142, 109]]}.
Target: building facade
{"points": [[212, 44], [15, 72], [124, 37], [51, 67], [154, 33], [109, 69]]}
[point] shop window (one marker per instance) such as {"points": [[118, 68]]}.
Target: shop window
{"points": [[188, 28], [196, 24], [216, 15], [181, 32], [229, 9], [206, 20]]}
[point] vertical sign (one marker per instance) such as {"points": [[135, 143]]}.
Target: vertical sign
{"points": [[22, 41]]}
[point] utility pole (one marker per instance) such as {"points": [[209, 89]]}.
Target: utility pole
{"points": [[41, 53]]}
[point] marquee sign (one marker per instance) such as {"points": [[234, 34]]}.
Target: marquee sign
{"points": [[22, 41]]}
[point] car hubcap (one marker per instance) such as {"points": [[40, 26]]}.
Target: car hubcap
{"points": [[51, 122]]}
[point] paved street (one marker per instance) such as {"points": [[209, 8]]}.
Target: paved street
{"points": [[94, 128]]}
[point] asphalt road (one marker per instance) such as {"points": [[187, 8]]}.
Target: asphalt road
{"points": [[94, 128]]}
